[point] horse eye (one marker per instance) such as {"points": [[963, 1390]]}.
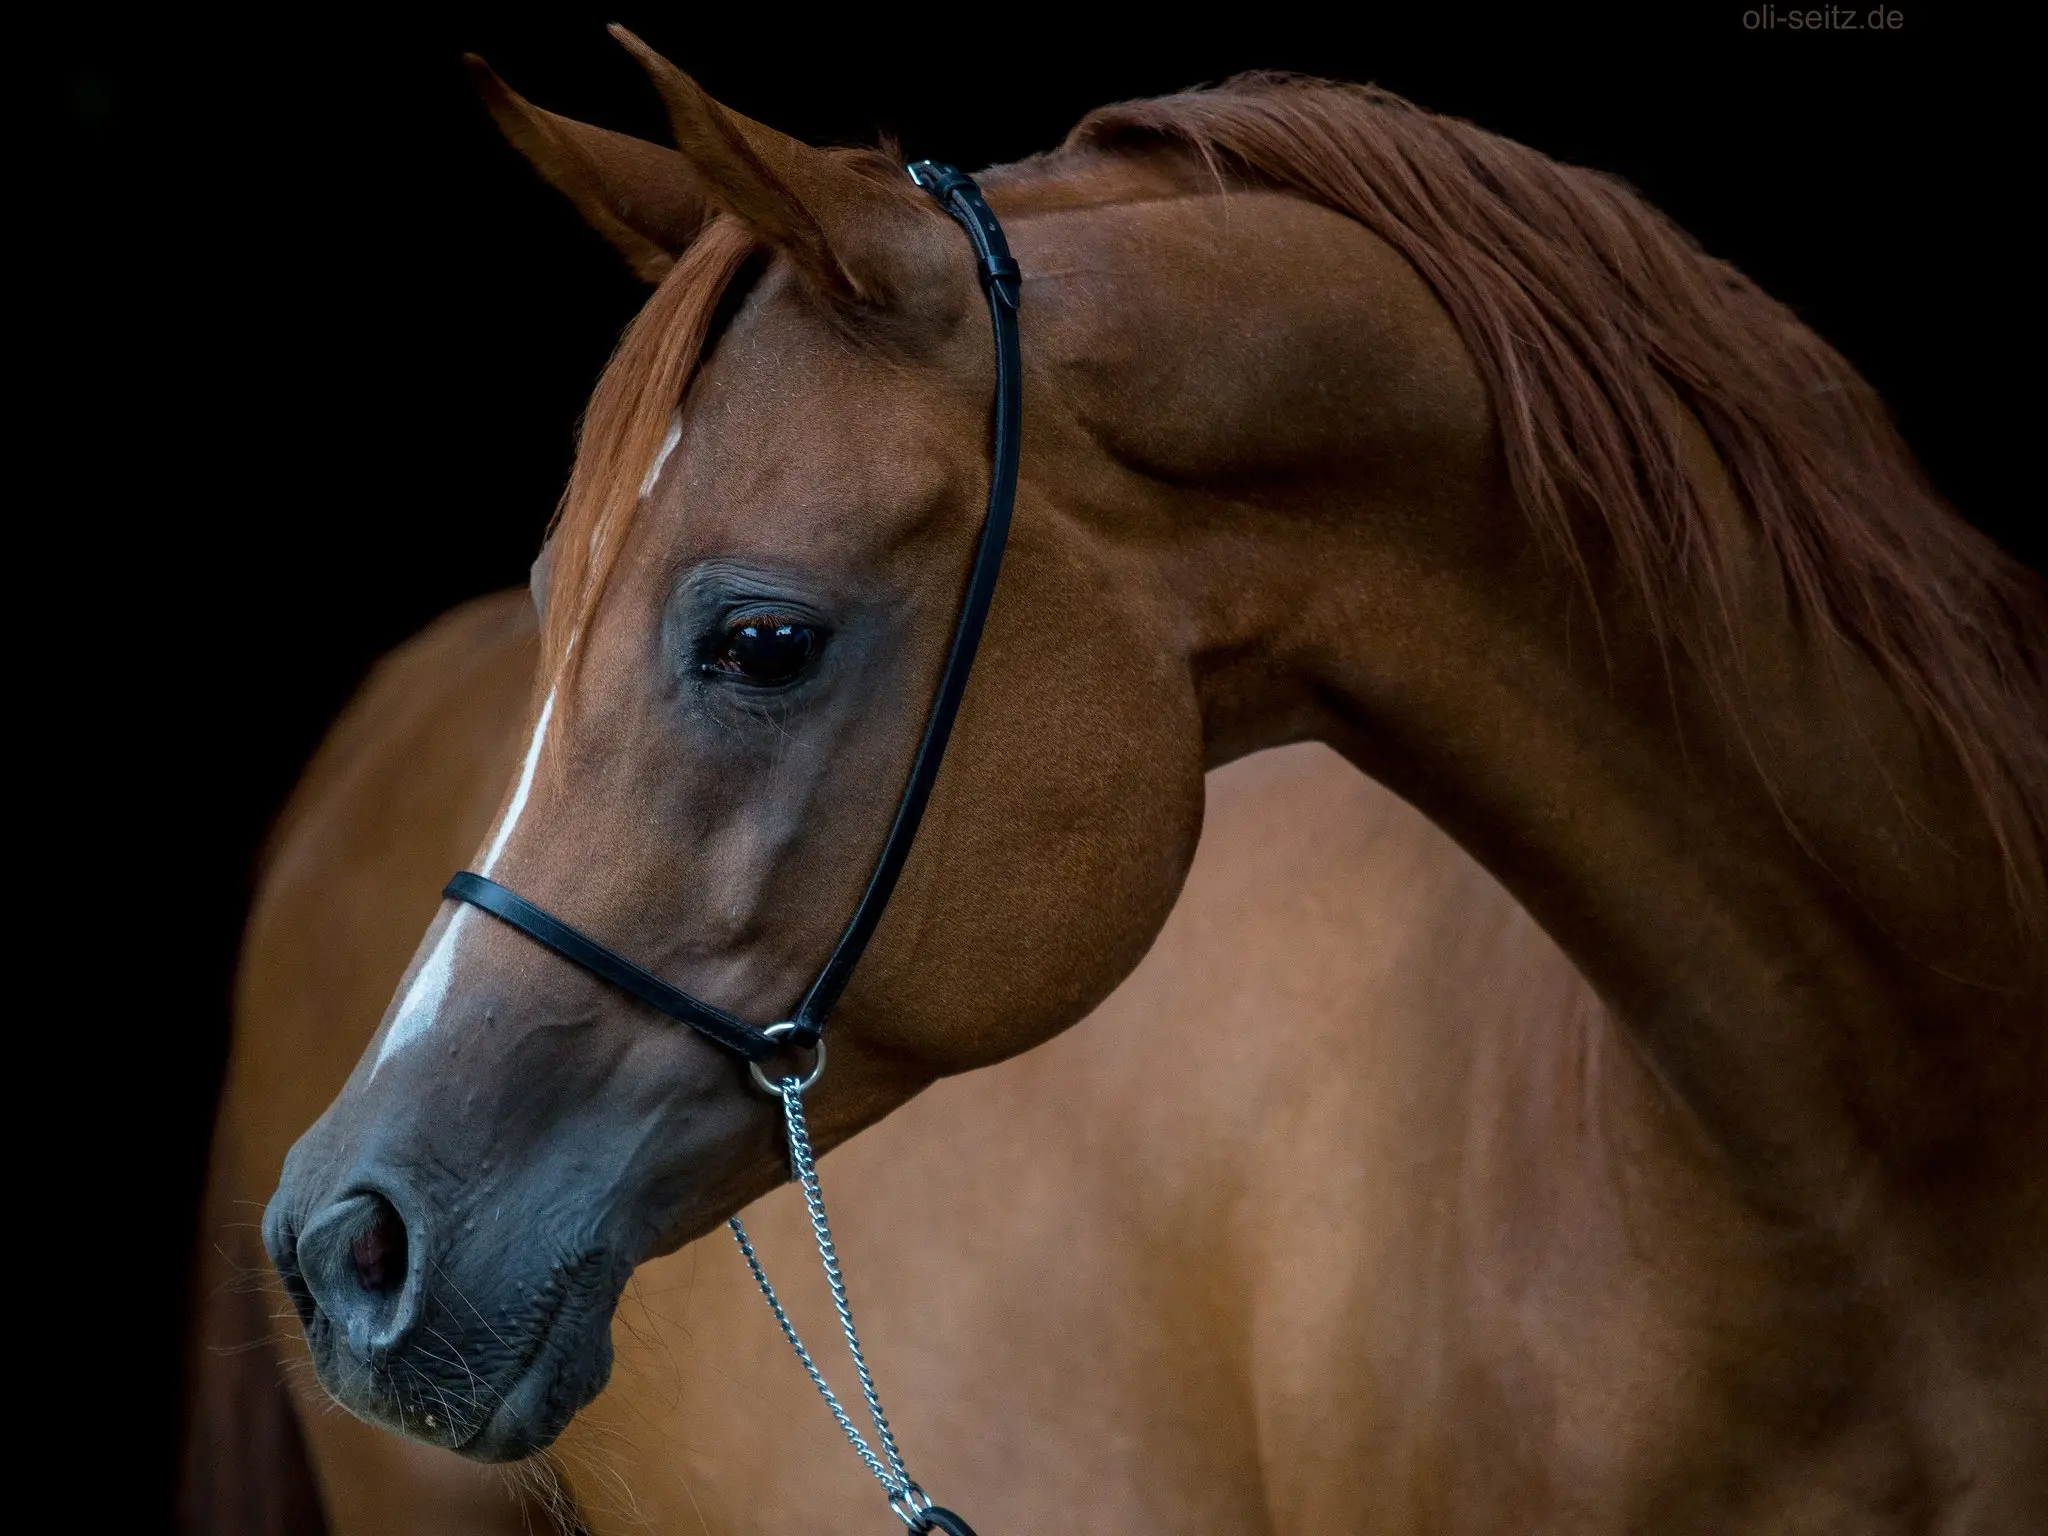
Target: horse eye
{"points": [[767, 651]]}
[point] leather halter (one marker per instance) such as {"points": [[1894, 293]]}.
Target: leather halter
{"points": [[955, 192]]}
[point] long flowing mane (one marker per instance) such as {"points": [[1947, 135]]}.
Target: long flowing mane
{"points": [[1587, 313]]}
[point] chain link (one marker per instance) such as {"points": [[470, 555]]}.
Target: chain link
{"points": [[907, 1499]]}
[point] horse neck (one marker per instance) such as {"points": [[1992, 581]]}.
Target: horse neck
{"points": [[1772, 877]]}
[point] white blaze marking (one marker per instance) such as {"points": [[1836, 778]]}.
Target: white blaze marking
{"points": [[429, 989], [512, 812], [669, 440]]}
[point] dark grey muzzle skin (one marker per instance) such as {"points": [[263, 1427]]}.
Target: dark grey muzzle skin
{"points": [[456, 1229]]}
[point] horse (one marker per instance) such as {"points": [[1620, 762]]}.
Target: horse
{"points": [[1344, 423]]}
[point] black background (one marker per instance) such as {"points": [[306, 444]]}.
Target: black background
{"points": [[316, 344]]}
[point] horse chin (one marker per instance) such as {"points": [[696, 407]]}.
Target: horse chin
{"points": [[547, 1395]]}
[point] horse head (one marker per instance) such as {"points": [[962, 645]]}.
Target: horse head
{"points": [[746, 604]]}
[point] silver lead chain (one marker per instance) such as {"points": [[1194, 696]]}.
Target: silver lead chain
{"points": [[907, 1499]]}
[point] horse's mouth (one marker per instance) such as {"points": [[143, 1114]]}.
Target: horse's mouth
{"points": [[569, 1364], [529, 1414], [427, 1391]]}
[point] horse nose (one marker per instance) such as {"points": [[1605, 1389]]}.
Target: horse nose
{"points": [[356, 1259]]}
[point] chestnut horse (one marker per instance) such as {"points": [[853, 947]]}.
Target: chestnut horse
{"points": [[1344, 423]]}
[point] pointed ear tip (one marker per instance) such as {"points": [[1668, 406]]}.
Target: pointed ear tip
{"points": [[517, 118], [488, 82], [657, 66]]}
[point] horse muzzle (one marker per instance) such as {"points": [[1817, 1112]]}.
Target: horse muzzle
{"points": [[474, 1352]]}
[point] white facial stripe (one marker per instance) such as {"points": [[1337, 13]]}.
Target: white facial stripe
{"points": [[512, 811], [424, 997], [669, 440], [429, 989]]}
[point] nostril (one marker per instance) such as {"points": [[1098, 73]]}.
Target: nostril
{"points": [[281, 1241], [296, 1289], [357, 1262], [379, 1251]]}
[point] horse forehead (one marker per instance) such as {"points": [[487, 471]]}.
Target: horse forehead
{"points": [[788, 392]]}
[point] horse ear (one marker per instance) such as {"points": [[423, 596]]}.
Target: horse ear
{"points": [[646, 200], [851, 236]]}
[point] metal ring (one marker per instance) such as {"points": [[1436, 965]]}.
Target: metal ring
{"points": [[774, 1088], [909, 1504]]}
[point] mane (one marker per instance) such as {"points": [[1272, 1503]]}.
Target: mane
{"points": [[1587, 312]]}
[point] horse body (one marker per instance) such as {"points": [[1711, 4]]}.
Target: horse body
{"points": [[1342, 425]]}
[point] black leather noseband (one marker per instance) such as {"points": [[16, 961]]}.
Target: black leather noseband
{"points": [[1000, 280]]}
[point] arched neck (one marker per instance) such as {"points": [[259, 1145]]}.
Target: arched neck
{"points": [[1752, 848]]}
